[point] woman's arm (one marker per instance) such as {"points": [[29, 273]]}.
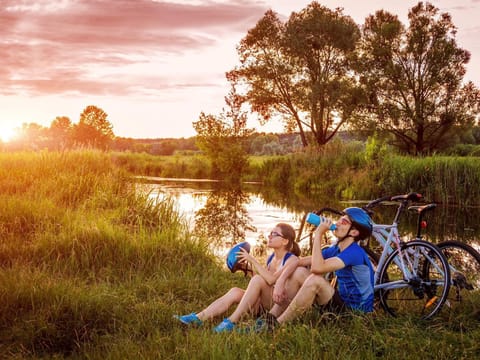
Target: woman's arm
{"points": [[305, 261], [286, 271], [268, 276]]}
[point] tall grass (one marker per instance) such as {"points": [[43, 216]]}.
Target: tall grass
{"points": [[315, 176], [351, 172], [81, 249], [175, 166], [445, 179]]}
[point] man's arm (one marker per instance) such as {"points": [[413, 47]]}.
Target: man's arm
{"points": [[319, 264]]}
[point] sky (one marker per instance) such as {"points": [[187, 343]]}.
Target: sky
{"points": [[153, 66]]}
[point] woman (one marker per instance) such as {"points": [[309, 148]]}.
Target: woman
{"points": [[267, 286]]}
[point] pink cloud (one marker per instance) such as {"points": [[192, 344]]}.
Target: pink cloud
{"points": [[55, 46]]}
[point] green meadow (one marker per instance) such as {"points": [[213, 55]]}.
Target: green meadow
{"points": [[92, 267]]}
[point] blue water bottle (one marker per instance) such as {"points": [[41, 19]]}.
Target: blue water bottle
{"points": [[315, 220]]}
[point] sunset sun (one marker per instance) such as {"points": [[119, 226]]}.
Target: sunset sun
{"points": [[6, 133]]}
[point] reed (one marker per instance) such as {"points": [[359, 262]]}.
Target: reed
{"points": [[351, 172], [448, 180], [81, 249], [313, 173]]}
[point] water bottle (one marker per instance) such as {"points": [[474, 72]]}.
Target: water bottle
{"points": [[315, 220]]}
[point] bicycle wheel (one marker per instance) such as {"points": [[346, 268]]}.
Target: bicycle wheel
{"points": [[464, 263], [406, 289]]}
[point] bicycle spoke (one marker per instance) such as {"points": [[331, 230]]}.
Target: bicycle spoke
{"points": [[423, 292], [464, 295]]}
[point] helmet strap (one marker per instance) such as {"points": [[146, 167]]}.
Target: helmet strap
{"points": [[346, 236]]}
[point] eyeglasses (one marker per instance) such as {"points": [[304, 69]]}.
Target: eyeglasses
{"points": [[274, 234], [344, 221]]}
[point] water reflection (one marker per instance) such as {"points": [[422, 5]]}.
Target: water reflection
{"points": [[224, 219], [223, 212], [231, 214], [443, 223]]}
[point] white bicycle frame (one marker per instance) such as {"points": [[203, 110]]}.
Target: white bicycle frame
{"points": [[388, 238]]}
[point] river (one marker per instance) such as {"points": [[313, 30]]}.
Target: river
{"points": [[228, 215]]}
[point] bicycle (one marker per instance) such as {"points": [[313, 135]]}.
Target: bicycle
{"points": [[463, 259], [411, 278]]}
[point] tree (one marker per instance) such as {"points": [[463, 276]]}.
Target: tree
{"points": [[93, 128], [60, 132], [31, 136], [300, 71], [223, 138], [414, 78]]}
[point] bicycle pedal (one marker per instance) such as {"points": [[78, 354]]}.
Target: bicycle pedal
{"points": [[431, 302]]}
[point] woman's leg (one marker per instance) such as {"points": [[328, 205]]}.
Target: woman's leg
{"points": [[314, 287], [222, 304], [258, 292]]}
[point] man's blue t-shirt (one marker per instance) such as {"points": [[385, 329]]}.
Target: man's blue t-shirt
{"points": [[355, 280]]}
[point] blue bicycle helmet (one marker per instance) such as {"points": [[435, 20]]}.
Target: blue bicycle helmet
{"points": [[233, 262], [360, 221]]}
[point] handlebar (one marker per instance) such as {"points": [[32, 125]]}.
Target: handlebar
{"points": [[403, 199], [413, 196]]}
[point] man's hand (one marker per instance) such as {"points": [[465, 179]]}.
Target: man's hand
{"points": [[324, 225]]}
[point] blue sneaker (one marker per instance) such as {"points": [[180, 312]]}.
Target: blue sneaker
{"points": [[265, 323], [190, 319], [225, 326], [260, 325]]}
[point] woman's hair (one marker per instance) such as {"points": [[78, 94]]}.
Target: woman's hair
{"points": [[288, 233]]}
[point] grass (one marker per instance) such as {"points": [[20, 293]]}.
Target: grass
{"points": [[174, 166], [345, 171], [444, 179], [92, 269]]}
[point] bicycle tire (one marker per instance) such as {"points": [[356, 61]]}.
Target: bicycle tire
{"points": [[464, 260], [423, 295]]}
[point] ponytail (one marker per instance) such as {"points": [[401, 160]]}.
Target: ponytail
{"points": [[295, 249]]}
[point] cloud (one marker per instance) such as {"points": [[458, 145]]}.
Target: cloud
{"points": [[101, 46]]}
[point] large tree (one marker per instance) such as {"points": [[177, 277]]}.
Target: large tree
{"points": [[299, 71], [60, 132], [413, 76]]}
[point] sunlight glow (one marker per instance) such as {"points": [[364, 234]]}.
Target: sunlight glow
{"points": [[6, 133]]}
